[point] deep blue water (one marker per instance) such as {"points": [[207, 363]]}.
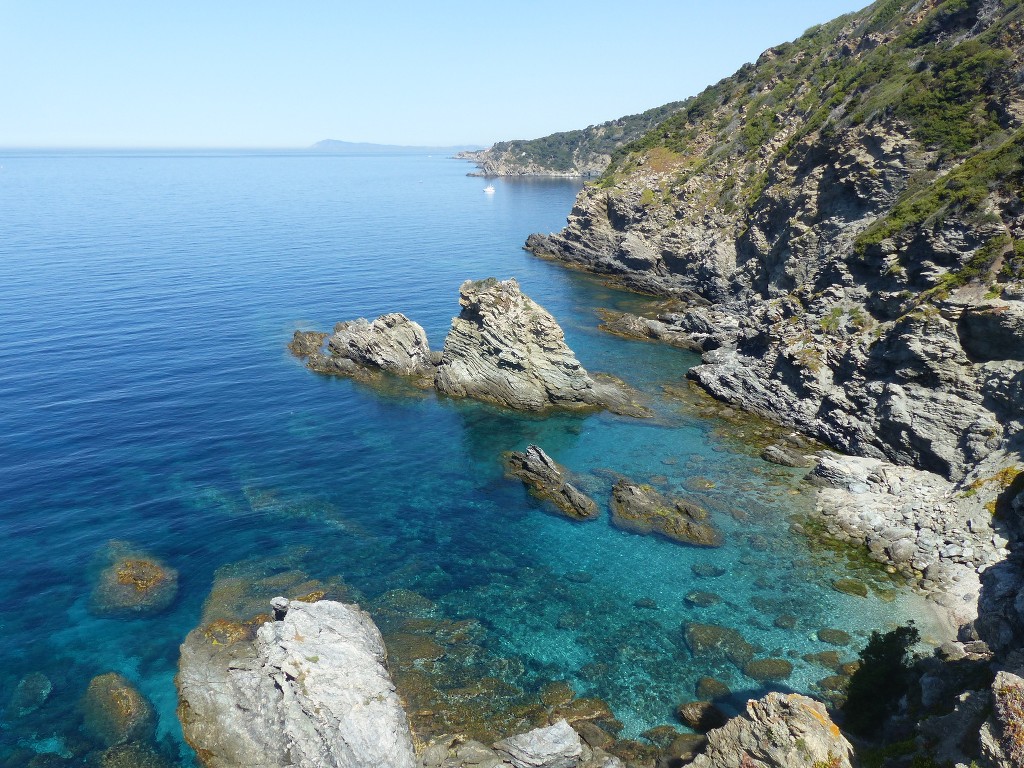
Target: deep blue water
{"points": [[146, 395]]}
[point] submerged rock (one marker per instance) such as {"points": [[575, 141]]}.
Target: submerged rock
{"points": [[834, 636], [850, 587], [778, 731], [556, 746], [311, 689], [133, 756], [713, 641], [711, 688], [641, 509], [764, 670], [30, 694], [115, 712], [133, 583], [546, 480]]}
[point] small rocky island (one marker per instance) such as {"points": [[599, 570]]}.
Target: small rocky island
{"points": [[503, 349]]}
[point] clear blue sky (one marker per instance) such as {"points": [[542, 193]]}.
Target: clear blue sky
{"points": [[224, 73]]}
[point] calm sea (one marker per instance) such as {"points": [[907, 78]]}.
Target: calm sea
{"points": [[146, 396]]}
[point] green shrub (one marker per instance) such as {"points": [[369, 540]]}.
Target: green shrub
{"points": [[882, 679]]}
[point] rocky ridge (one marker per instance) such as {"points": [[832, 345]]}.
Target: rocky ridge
{"points": [[839, 232], [573, 154], [503, 348], [839, 260]]}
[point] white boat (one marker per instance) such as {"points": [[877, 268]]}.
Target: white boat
{"points": [[489, 189]]}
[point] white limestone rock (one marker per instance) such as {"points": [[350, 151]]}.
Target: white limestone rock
{"points": [[556, 746], [310, 691]]}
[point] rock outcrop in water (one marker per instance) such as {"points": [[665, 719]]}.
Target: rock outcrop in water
{"points": [[503, 348], [391, 343], [547, 480], [641, 509], [309, 690]]}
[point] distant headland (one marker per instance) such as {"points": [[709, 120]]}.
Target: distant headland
{"points": [[335, 146]]}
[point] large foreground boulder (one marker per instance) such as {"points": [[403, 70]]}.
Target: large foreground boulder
{"points": [[778, 731], [556, 746], [309, 691]]}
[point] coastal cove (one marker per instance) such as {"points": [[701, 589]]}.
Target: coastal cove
{"points": [[148, 398]]}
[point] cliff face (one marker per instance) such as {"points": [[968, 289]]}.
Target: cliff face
{"points": [[583, 153], [843, 225]]}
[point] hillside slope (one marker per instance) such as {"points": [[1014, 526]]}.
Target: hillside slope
{"points": [[842, 224], [585, 152]]}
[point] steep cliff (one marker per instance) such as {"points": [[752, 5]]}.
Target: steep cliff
{"points": [[843, 228]]}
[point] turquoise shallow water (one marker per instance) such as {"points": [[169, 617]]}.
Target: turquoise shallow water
{"points": [[146, 395]]}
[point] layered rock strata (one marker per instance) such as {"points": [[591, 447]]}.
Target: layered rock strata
{"points": [[546, 480], [848, 272], [310, 690], [503, 348]]}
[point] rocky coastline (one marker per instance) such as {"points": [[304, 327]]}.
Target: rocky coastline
{"points": [[899, 349], [503, 348], [308, 685], [837, 279]]}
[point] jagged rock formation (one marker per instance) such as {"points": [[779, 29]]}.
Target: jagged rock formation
{"points": [[778, 731], [850, 203], [506, 349], [503, 348], [547, 480], [583, 153], [310, 690], [641, 509]]}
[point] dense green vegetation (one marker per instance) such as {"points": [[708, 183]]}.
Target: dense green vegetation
{"points": [[882, 679], [962, 192], [924, 75], [561, 151]]}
